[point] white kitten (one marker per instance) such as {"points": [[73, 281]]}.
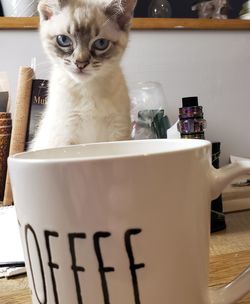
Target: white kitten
{"points": [[88, 98]]}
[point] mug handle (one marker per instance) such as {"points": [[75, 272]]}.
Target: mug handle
{"points": [[233, 291], [222, 177], [240, 286]]}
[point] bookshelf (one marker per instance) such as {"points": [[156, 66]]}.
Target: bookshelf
{"points": [[32, 23]]}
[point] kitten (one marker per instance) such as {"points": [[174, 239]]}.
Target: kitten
{"points": [[88, 98]]}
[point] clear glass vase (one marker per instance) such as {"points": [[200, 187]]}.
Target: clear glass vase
{"points": [[159, 9], [19, 8], [148, 110]]}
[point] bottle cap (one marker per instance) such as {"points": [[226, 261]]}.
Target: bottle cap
{"points": [[190, 101]]}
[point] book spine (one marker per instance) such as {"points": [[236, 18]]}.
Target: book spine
{"points": [[17, 143], [5, 134], [37, 106]]}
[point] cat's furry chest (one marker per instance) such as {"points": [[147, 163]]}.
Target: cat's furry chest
{"points": [[94, 112], [92, 120]]}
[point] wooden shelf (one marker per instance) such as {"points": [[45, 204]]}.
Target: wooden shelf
{"points": [[145, 24], [19, 23], [190, 24]]}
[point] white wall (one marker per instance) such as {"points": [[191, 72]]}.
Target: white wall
{"points": [[214, 65]]}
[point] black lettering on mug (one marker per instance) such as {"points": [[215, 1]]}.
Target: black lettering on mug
{"points": [[52, 265], [74, 267], [28, 229], [102, 269], [133, 266]]}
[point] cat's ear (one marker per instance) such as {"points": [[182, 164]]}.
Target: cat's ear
{"points": [[122, 11], [49, 8]]}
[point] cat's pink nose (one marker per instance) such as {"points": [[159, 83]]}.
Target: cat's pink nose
{"points": [[81, 64]]}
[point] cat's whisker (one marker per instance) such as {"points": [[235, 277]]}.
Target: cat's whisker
{"points": [[43, 63], [30, 78], [67, 62], [40, 70], [96, 64]]}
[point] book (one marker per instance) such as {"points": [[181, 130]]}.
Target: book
{"points": [[10, 240], [5, 135], [5, 130], [1, 10], [20, 121], [11, 253], [39, 97], [11, 271], [4, 97], [5, 100]]}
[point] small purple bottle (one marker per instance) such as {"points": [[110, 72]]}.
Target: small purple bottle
{"points": [[191, 122]]}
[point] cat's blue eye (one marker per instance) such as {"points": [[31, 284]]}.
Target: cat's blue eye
{"points": [[101, 44], [64, 41]]}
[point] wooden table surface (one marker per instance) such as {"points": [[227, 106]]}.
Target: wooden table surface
{"points": [[229, 255]]}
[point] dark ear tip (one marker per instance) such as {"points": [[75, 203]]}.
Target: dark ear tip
{"points": [[45, 11]]}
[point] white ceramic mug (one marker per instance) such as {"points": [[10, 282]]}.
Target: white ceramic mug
{"points": [[121, 223], [19, 8]]}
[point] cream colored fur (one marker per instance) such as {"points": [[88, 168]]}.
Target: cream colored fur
{"points": [[83, 108]]}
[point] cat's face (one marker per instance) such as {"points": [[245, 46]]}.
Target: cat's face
{"points": [[85, 37]]}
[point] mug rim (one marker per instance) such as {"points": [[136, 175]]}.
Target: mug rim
{"points": [[49, 155]]}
